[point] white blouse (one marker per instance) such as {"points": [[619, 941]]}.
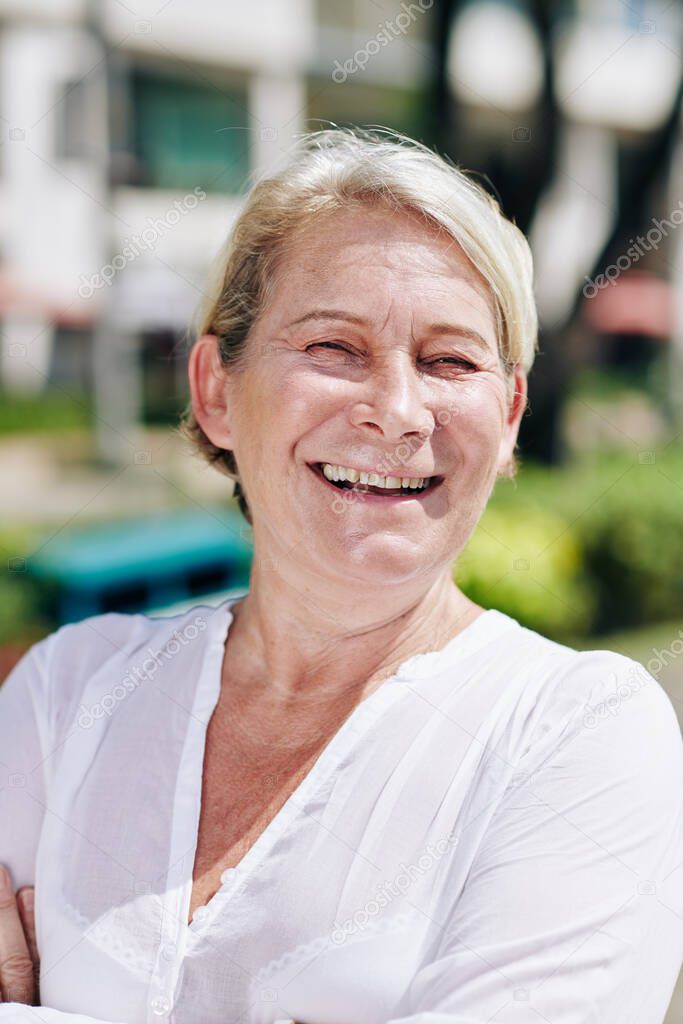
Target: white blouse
{"points": [[494, 834]]}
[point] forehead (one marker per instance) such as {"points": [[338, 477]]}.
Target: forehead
{"points": [[372, 246]]}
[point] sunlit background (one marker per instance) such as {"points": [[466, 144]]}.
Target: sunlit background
{"points": [[130, 131]]}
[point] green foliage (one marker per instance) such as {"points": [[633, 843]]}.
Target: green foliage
{"points": [[50, 411], [528, 562], [586, 548], [21, 619], [633, 540]]}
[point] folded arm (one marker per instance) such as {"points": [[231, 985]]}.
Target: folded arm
{"points": [[24, 748], [573, 912]]}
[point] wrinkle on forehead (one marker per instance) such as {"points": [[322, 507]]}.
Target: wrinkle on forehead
{"points": [[342, 240]]}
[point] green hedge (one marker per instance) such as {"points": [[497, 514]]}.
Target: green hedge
{"points": [[50, 411], [603, 541], [526, 561], [21, 621]]}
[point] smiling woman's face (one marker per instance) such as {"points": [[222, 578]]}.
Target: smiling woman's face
{"points": [[377, 351]]}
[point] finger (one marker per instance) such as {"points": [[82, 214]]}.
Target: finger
{"points": [[16, 967], [25, 902]]}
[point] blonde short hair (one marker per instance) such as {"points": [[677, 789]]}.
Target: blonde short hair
{"points": [[337, 169]]}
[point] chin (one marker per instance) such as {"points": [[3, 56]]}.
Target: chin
{"points": [[380, 559]]}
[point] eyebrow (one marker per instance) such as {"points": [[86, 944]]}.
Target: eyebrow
{"points": [[329, 314], [436, 329], [461, 331]]}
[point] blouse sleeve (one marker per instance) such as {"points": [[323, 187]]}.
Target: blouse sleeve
{"points": [[38, 703], [25, 748], [573, 911], [22, 772]]}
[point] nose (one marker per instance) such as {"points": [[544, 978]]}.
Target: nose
{"points": [[393, 402]]}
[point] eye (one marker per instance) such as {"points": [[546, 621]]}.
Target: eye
{"points": [[454, 361], [330, 345]]}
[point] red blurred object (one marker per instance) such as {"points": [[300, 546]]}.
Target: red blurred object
{"points": [[10, 654], [636, 303], [17, 300]]}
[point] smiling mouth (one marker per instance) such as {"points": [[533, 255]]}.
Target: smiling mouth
{"points": [[430, 484]]}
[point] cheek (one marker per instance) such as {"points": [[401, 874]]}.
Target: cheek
{"points": [[278, 413], [309, 402], [474, 419], [270, 409]]}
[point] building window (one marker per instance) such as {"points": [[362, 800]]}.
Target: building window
{"points": [[188, 134]]}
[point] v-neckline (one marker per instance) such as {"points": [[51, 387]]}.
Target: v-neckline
{"points": [[187, 807]]}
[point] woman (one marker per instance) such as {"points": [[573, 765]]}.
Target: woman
{"points": [[352, 795]]}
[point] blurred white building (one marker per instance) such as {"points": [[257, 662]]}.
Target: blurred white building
{"points": [[129, 131]]}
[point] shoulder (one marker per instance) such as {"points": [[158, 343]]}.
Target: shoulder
{"points": [[605, 716], [57, 669], [587, 699], [94, 640]]}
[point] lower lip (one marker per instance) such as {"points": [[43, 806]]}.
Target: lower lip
{"points": [[366, 496]]}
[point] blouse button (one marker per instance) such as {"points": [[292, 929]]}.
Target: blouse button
{"points": [[160, 1005], [168, 952], [227, 874]]}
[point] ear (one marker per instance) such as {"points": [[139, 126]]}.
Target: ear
{"points": [[209, 390], [515, 410]]}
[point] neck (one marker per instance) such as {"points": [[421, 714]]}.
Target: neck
{"points": [[292, 641]]}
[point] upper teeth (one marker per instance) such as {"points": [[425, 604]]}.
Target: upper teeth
{"points": [[371, 479]]}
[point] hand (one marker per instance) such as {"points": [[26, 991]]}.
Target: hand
{"points": [[19, 962]]}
